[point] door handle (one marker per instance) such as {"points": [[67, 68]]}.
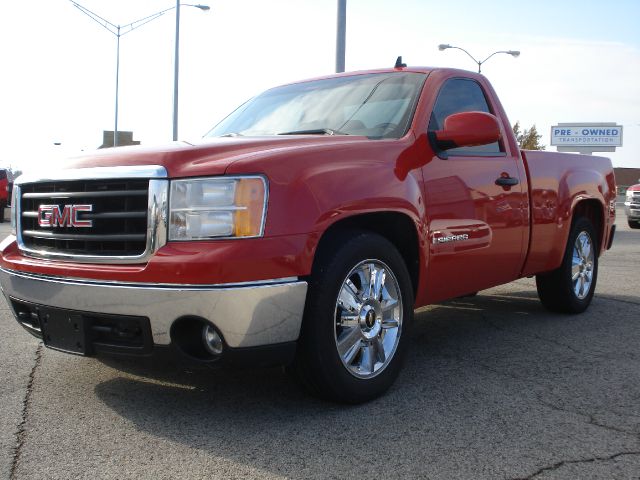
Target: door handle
{"points": [[507, 181]]}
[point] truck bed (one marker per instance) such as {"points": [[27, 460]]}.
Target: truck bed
{"points": [[557, 182]]}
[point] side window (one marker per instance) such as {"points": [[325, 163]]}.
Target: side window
{"points": [[461, 95]]}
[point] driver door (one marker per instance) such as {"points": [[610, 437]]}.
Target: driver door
{"points": [[477, 228]]}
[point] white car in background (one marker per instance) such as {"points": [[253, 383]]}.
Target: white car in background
{"points": [[632, 206]]}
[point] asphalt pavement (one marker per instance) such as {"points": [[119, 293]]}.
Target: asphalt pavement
{"points": [[494, 387]]}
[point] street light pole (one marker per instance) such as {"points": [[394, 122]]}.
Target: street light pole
{"points": [[115, 128], [175, 73], [341, 36], [117, 30], [513, 53], [176, 63]]}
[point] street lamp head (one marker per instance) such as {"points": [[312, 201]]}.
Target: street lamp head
{"points": [[514, 53], [204, 8], [443, 46]]}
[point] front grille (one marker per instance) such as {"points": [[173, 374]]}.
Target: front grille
{"points": [[119, 217]]}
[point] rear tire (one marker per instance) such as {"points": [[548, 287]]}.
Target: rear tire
{"points": [[570, 288], [357, 319], [633, 224]]}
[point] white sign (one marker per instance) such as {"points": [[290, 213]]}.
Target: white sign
{"points": [[586, 135]]}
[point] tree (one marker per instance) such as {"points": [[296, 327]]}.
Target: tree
{"points": [[529, 139]]}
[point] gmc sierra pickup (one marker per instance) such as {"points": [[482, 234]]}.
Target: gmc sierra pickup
{"points": [[305, 229]]}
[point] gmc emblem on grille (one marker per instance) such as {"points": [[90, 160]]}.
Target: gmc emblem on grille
{"points": [[63, 216]]}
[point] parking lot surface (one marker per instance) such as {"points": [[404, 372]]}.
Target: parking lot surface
{"points": [[494, 387]]}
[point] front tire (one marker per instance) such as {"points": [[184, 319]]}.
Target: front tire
{"points": [[357, 319], [570, 288], [633, 224]]}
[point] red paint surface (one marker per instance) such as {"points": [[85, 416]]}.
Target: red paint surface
{"points": [[315, 181]]}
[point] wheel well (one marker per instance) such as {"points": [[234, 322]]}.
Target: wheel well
{"points": [[396, 227], [592, 209]]}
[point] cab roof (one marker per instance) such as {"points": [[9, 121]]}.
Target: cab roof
{"points": [[423, 70]]}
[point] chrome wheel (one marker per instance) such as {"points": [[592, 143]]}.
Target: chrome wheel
{"points": [[582, 265], [368, 318]]}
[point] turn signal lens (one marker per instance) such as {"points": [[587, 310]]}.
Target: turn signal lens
{"points": [[250, 197]]}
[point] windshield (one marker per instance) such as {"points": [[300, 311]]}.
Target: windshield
{"points": [[374, 105]]}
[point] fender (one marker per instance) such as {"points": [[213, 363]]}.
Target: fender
{"points": [[329, 185]]}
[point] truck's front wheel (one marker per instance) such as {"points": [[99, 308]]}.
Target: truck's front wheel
{"points": [[358, 313], [570, 288]]}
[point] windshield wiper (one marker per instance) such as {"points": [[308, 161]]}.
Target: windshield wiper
{"points": [[232, 134], [315, 131]]}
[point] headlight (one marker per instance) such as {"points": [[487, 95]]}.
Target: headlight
{"points": [[221, 207], [629, 195]]}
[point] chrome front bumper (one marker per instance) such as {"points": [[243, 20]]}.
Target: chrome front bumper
{"points": [[247, 315]]}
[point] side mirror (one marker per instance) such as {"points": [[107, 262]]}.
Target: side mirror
{"points": [[468, 129]]}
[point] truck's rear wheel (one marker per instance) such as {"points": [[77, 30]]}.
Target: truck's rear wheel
{"points": [[359, 309], [570, 288]]}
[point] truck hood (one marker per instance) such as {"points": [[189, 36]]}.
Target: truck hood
{"points": [[209, 156]]}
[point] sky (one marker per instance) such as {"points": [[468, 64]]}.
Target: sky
{"points": [[579, 62]]}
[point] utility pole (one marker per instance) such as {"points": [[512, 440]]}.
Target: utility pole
{"points": [[176, 63], [341, 35], [115, 129]]}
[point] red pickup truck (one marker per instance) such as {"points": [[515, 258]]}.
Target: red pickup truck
{"points": [[305, 229]]}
